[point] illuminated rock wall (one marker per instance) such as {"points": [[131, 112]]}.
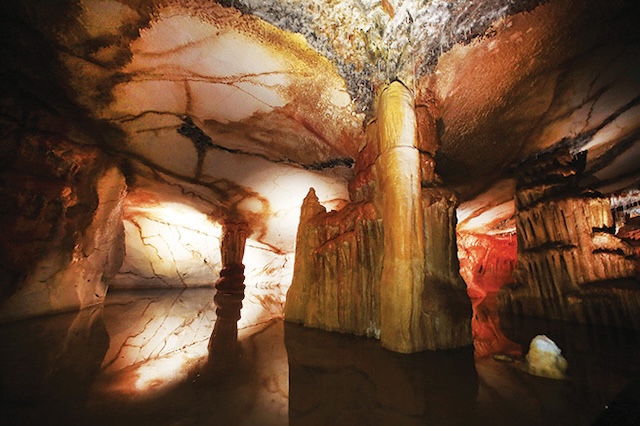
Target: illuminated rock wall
{"points": [[570, 264], [171, 243], [168, 245], [386, 264]]}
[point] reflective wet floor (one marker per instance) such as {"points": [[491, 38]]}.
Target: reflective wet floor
{"points": [[153, 358]]}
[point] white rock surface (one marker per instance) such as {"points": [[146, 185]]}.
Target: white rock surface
{"points": [[545, 359]]}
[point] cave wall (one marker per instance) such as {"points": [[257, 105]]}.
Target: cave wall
{"points": [[63, 185], [487, 261], [559, 80], [61, 196], [62, 213], [571, 266], [168, 244], [386, 264], [76, 85]]}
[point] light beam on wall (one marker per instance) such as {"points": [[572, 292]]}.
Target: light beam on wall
{"points": [[169, 245]]}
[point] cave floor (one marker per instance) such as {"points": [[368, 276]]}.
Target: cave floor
{"points": [[144, 358]]}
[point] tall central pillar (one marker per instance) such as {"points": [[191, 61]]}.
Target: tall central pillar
{"points": [[398, 170], [386, 264]]}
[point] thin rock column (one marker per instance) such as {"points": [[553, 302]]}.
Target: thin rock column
{"points": [[230, 292]]}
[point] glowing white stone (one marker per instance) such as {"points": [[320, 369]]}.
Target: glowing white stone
{"points": [[545, 359]]}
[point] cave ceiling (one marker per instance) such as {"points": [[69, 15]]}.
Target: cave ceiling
{"points": [[238, 107]]}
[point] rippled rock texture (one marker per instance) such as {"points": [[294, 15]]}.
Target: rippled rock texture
{"points": [[386, 265]]}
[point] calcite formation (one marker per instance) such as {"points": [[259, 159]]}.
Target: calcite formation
{"points": [[487, 261], [570, 263], [374, 41], [486, 236], [563, 74], [386, 265], [201, 113], [337, 269]]}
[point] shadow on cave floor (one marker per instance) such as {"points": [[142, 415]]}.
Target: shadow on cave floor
{"points": [[143, 359]]}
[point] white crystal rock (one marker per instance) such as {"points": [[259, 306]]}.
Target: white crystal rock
{"points": [[545, 359]]}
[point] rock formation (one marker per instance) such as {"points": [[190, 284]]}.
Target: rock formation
{"points": [[487, 261], [229, 292], [170, 119], [545, 359], [386, 265], [62, 219], [570, 263]]}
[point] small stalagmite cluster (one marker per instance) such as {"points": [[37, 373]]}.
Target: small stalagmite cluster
{"points": [[386, 265]]}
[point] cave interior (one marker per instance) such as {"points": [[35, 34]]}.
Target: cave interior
{"points": [[319, 212]]}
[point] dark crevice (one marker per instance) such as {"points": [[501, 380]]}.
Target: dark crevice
{"points": [[334, 162], [617, 252], [547, 247], [604, 229], [620, 147], [574, 144], [202, 142]]}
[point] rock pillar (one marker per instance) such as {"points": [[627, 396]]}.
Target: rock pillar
{"points": [[386, 264], [402, 281], [423, 300], [230, 291]]}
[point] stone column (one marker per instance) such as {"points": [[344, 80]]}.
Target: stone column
{"points": [[386, 264], [423, 300], [230, 292], [398, 171]]}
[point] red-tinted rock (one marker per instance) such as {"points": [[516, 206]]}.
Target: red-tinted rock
{"points": [[487, 261]]}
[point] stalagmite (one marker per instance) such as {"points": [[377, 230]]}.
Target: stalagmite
{"points": [[230, 292], [545, 359], [386, 264]]}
